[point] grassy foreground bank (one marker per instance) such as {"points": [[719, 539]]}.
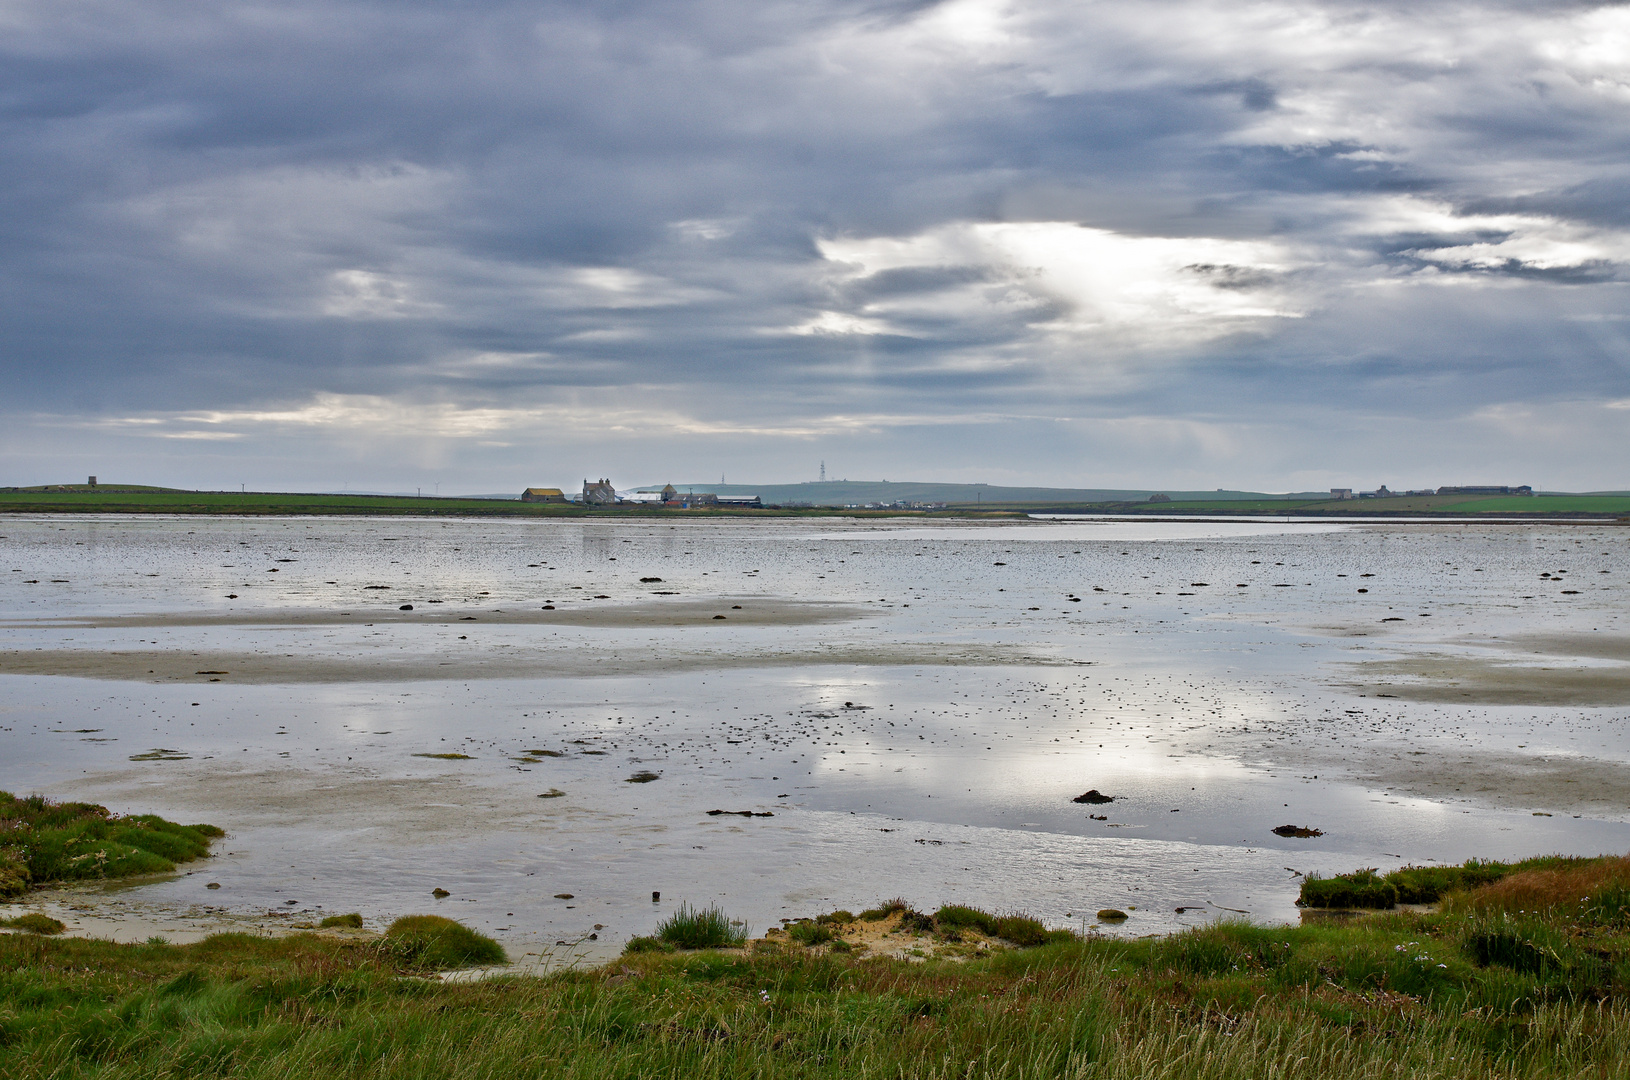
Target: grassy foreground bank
{"points": [[1519, 978]]}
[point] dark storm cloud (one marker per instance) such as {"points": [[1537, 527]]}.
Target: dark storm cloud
{"points": [[914, 209]]}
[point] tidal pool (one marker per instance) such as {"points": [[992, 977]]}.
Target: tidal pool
{"points": [[905, 708]]}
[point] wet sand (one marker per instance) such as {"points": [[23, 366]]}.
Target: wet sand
{"points": [[690, 612], [566, 661], [916, 706], [1471, 680]]}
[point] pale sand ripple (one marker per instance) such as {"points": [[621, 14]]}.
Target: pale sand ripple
{"points": [[1475, 680], [737, 611], [249, 667]]}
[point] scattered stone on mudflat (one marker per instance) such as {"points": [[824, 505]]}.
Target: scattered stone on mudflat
{"points": [[1300, 831], [438, 893], [563, 896], [552, 793], [405, 607], [1110, 914], [1094, 797], [644, 776], [741, 813], [213, 885]]}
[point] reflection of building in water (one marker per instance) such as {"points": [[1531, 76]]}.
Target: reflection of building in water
{"points": [[599, 493], [543, 495]]}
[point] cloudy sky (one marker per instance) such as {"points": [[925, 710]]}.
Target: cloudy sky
{"points": [[1199, 243]]}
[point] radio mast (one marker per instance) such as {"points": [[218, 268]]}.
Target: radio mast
{"points": [[823, 472]]}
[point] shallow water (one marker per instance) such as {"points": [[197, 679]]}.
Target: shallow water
{"points": [[915, 705]]}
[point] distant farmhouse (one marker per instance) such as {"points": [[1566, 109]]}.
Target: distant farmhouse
{"points": [[674, 499], [1382, 492], [599, 493], [546, 495]]}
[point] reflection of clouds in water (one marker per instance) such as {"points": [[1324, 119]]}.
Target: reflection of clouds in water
{"points": [[1218, 705]]}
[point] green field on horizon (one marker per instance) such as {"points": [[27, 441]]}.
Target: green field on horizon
{"points": [[141, 499]]}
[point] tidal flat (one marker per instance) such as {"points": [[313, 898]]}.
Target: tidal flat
{"points": [[375, 709]]}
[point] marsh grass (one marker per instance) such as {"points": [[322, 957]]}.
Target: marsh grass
{"points": [[884, 910], [957, 916], [433, 942], [1396, 995], [810, 933], [700, 928], [352, 921], [35, 923], [43, 841], [1594, 891], [1429, 884]]}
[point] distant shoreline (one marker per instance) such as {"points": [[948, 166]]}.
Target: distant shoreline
{"points": [[133, 500]]}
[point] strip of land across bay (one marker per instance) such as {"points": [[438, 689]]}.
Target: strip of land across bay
{"points": [[855, 498]]}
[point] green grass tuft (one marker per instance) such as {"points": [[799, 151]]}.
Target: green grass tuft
{"points": [[352, 921], [43, 841], [958, 917], [809, 934], [430, 941], [1360, 889], [1023, 931], [647, 945], [35, 923], [883, 910], [701, 928]]}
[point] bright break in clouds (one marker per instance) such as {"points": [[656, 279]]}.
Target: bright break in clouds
{"points": [[1188, 243]]}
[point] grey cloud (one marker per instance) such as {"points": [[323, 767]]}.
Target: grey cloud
{"points": [[488, 202]]}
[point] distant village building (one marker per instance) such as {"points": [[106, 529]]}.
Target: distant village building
{"points": [[1341, 493], [668, 492], [1487, 490], [739, 500], [92, 481], [599, 493], [1157, 497], [543, 495]]}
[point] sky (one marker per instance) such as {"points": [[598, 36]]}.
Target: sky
{"points": [[476, 245]]}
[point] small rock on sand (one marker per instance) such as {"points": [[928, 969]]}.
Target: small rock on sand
{"points": [[1094, 797]]}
